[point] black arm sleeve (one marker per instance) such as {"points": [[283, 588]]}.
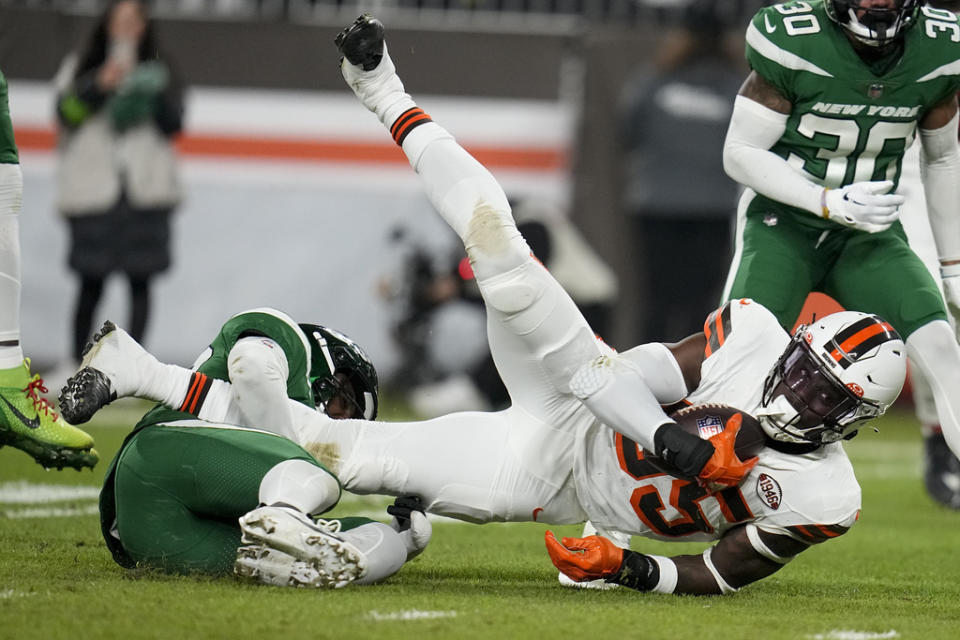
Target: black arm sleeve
{"points": [[638, 572], [684, 451]]}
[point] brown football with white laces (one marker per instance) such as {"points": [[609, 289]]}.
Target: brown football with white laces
{"points": [[709, 419]]}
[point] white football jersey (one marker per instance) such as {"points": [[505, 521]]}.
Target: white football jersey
{"points": [[811, 497]]}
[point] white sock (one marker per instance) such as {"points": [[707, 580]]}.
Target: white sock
{"points": [[380, 90], [11, 195], [166, 383], [933, 347]]}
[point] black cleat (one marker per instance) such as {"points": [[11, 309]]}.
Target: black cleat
{"points": [[85, 393], [362, 42], [941, 473]]}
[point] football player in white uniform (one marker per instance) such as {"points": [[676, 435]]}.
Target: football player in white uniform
{"points": [[571, 447]]}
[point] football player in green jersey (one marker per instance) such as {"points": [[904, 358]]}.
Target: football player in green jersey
{"points": [[27, 421], [195, 488], [838, 90]]}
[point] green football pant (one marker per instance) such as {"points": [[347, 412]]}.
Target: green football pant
{"points": [[8, 148], [871, 272], [179, 492]]}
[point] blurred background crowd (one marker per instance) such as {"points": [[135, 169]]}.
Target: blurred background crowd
{"points": [[603, 119], [582, 108]]}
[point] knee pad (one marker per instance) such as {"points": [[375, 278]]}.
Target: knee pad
{"points": [[493, 242], [513, 291]]}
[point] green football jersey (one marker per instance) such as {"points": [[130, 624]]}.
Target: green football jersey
{"points": [[8, 148], [259, 322], [848, 123]]}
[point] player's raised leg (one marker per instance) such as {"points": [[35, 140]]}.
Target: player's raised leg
{"points": [[27, 421], [537, 335], [114, 365]]}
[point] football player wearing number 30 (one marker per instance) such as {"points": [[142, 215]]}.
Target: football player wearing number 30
{"points": [[549, 458], [838, 91]]}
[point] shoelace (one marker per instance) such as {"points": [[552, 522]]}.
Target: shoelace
{"points": [[40, 404], [330, 526]]}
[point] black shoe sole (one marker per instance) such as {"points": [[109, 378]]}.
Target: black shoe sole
{"points": [[362, 42], [85, 393]]}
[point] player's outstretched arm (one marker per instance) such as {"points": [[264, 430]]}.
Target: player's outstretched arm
{"points": [[732, 563], [940, 168]]}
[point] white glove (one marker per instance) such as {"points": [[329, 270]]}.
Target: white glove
{"points": [[951, 292], [863, 205]]}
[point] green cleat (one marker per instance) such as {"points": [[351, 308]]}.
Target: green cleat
{"points": [[29, 423]]}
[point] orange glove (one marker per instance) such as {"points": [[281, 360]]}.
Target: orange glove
{"points": [[724, 468], [582, 559]]}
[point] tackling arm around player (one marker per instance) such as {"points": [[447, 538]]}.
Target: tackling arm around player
{"points": [[839, 89], [212, 480]]}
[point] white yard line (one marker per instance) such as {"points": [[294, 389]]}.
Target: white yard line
{"points": [[23, 492], [850, 634], [409, 614], [51, 512]]}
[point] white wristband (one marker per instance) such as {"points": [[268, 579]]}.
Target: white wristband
{"points": [[668, 575], [724, 586], [950, 270]]}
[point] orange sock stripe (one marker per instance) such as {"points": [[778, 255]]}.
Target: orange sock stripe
{"points": [[412, 124], [403, 118], [201, 392], [407, 122], [194, 380], [199, 386]]}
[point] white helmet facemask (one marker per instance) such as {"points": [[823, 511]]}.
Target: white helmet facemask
{"points": [[874, 26]]}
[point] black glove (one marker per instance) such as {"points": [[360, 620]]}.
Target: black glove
{"points": [[401, 509], [681, 450]]}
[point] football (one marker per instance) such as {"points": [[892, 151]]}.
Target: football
{"points": [[706, 420]]}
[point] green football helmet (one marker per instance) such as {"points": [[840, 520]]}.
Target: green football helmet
{"points": [[336, 358]]}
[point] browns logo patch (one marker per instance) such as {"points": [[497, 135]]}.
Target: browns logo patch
{"points": [[769, 491]]}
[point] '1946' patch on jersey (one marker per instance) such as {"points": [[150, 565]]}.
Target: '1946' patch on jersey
{"points": [[769, 491], [709, 426]]}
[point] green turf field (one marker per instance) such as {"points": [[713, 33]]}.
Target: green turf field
{"points": [[895, 575]]}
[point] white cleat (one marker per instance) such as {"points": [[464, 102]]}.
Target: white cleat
{"points": [[369, 71], [114, 365], [260, 563], [286, 547]]}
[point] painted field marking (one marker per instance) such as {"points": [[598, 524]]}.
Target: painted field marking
{"points": [[410, 614], [52, 512], [23, 492], [851, 634]]}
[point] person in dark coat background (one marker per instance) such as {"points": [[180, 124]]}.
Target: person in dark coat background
{"points": [[119, 103]]}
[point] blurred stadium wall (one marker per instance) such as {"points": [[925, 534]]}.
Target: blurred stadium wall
{"points": [[292, 188]]}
